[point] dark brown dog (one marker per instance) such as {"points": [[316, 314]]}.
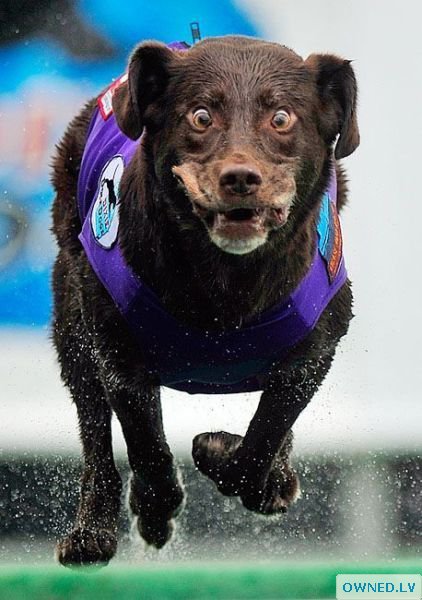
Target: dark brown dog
{"points": [[232, 123]]}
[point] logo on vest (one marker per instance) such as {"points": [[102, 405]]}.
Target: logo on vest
{"points": [[105, 211], [329, 234]]}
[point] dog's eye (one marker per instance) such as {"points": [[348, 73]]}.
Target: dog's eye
{"points": [[201, 119], [281, 120]]}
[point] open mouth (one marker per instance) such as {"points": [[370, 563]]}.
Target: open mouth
{"points": [[244, 229], [242, 218], [241, 214]]}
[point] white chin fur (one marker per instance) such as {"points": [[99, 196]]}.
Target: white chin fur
{"points": [[238, 246]]}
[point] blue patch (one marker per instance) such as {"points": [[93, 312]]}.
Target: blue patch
{"points": [[329, 236], [324, 225]]}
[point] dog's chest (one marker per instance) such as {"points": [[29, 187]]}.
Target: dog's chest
{"points": [[187, 358]]}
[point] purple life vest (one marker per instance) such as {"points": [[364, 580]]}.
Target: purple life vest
{"points": [[187, 358]]}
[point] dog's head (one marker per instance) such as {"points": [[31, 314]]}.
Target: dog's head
{"points": [[244, 126]]}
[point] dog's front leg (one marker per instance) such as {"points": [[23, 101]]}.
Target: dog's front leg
{"points": [[93, 537], [155, 492], [256, 467]]}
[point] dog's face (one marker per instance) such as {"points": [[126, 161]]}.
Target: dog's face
{"points": [[244, 126]]}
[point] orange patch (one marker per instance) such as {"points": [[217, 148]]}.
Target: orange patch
{"points": [[337, 247]]}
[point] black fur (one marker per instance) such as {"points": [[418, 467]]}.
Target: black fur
{"points": [[242, 82]]}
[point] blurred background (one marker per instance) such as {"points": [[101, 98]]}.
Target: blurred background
{"points": [[358, 445]]}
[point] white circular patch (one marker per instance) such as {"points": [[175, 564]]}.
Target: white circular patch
{"points": [[105, 212]]}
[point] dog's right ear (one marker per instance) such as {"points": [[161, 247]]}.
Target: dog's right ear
{"points": [[148, 75]]}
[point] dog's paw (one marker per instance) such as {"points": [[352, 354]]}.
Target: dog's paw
{"points": [[213, 455], [281, 489], [84, 547], [155, 506], [155, 531]]}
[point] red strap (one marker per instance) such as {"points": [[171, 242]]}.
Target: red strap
{"points": [[104, 101]]}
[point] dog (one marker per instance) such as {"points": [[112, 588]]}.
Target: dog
{"points": [[196, 216]]}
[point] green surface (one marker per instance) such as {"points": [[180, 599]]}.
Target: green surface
{"points": [[226, 581]]}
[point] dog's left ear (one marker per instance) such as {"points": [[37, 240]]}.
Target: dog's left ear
{"points": [[337, 88], [148, 76]]}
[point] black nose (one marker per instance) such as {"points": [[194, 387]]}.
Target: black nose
{"points": [[240, 179]]}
